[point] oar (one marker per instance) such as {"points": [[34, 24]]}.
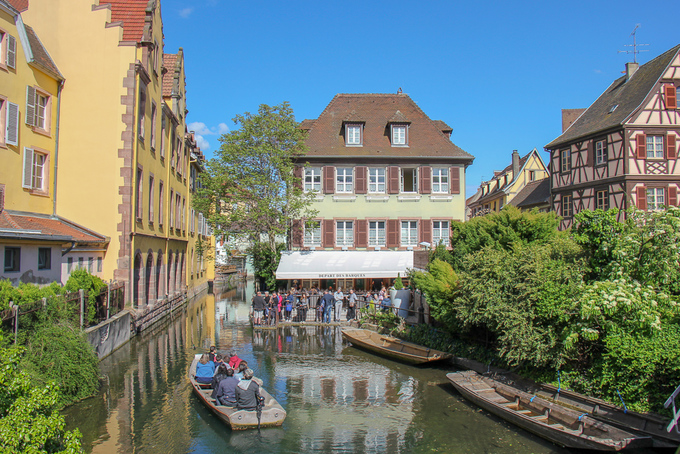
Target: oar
{"points": [[258, 411]]}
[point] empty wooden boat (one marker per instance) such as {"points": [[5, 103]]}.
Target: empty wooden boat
{"points": [[561, 425], [392, 347], [273, 413]]}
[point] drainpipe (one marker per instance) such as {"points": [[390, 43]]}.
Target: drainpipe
{"points": [[56, 151]]}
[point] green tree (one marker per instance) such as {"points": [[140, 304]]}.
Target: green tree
{"points": [[265, 262], [250, 190], [599, 233]]}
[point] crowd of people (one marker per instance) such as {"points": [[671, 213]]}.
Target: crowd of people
{"points": [[327, 305], [230, 379]]}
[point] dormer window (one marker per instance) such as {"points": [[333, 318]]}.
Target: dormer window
{"points": [[399, 135], [353, 134]]}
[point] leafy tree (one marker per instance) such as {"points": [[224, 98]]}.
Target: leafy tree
{"points": [[250, 190], [81, 279], [599, 233], [265, 262], [440, 285]]}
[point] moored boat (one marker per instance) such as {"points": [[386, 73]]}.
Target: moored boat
{"points": [[561, 425], [392, 347], [272, 415]]}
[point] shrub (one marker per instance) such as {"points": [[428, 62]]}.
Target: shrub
{"points": [[81, 279]]}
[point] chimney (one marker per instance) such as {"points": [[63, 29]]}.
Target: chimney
{"points": [[630, 69], [515, 164]]}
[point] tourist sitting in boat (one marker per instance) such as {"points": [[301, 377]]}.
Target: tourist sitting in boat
{"points": [[242, 367], [211, 353], [219, 360], [234, 360], [247, 392], [225, 394], [205, 369], [220, 375]]}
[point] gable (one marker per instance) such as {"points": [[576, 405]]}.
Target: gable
{"points": [[655, 110]]}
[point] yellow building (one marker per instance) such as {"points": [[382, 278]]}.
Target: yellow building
{"points": [[124, 161], [493, 195]]}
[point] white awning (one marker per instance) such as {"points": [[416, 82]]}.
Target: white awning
{"points": [[343, 264]]}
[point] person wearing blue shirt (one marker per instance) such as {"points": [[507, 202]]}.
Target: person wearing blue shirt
{"points": [[205, 369]]}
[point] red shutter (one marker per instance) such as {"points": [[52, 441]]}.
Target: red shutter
{"points": [[455, 180], [590, 153], [328, 179], [426, 231], [425, 179], [328, 233], [296, 233], [672, 196], [642, 198], [671, 146], [393, 180], [641, 141], [392, 233], [360, 176], [671, 97], [298, 175], [362, 232]]}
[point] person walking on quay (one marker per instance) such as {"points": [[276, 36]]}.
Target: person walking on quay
{"points": [[327, 306], [351, 305], [258, 308], [338, 296]]}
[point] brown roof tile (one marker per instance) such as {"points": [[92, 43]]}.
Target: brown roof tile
{"points": [[534, 193], [132, 14], [170, 64], [443, 127], [326, 136], [40, 55], [47, 227], [19, 5]]}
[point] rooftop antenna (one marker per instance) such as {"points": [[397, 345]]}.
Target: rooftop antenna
{"points": [[635, 45]]}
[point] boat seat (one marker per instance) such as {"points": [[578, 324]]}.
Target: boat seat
{"points": [[557, 426], [510, 404], [524, 412], [540, 417], [483, 390]]}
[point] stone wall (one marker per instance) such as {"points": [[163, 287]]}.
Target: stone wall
{"points": [[110, 334]]}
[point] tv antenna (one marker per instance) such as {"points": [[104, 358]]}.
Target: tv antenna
{"points": [[635, 45]]}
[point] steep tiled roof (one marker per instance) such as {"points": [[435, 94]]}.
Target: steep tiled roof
{"points": [[40, 56], [19, 5], [425, 139], [534, 193], [627, 95], [443, 127], [498, 176], [306, 124], [132, 14], [45, 227], [170, 63]]}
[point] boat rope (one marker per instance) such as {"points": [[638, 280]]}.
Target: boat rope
{"points": [[625, 409], [581, 417], [559, 382]]}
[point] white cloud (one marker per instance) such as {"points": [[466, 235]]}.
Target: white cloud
{"points": [[222, 128], [201, 142], [199, 128], [185, 12]]}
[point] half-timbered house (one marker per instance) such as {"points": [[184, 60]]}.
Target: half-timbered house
{"points": [[622, 150]]}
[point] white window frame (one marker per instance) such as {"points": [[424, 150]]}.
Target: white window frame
{"points": [[409, 233], [312, 235], [344, 233], [344, 180], [440, 180], [414, 170], [601, 199], [376, 233], [600, 152], [312, 179], [354, 134], [655, 146], [656, 198], [11, 123], [154, 114], [152, 188], [36, 170], [375, 175], [399, 135], [441, 233]]}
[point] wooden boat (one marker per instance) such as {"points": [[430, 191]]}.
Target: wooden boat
{"points": [[561, 425], [273, 413], [392, 347]]}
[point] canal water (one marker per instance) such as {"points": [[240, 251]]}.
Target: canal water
{"points": [[338, 398]]}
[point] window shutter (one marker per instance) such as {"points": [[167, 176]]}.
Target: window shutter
{"points": [[328, 179], [298, 175], [393, 180], [426, 231], [360, 186], [671, 146], [641, 146], [590, 153], [425, 179], [28, 168], [328, 233], [672, 196], [671, 97], [362, 232], [30, 105], [12, 135], [296, 233], [642, 198], [11, 59], [392, 239], [455, 180]]}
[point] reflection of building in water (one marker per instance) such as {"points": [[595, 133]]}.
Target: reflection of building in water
{"points": [[200, 323]]}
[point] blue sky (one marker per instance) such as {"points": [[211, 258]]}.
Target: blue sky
{"points": [[498, 73]]}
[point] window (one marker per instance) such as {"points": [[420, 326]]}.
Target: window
{"points": [[655, 147], [602, 200], [178, 207], [90, 264], [353, 134], [153, 125], [565, 160], [10, 123], [35, 170], [160, 203], [655, 198], [8, 50], [141, 113], [409, 233], [376, 179], [313, 234], [376, 233], [80, 263], [156, 59], [440, 180], [151, 199], [398, 135], [99, 264], [44, 258], [409, 180], [140, 193], [171, 200], [532, 176], [312, 179], [343, 179], [38, 108], [69, 267], [600, 152], [566, 206], [344, 233], [440, 233], [163, 126], [12, 258]]}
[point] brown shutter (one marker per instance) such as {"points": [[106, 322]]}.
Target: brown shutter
{"points": [[328, 233], [425, 179], [671, 146], [671, 97], [298, 175], [296, 233], [590, 153], [426, 231], [360, 186], [641, 145], [328, 179], [393, 180], [392, 239], [455, 180], [642, 198], [672, 196], [362, 232]]}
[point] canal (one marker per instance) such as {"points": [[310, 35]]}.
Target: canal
{"points": [[338, 399]]}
